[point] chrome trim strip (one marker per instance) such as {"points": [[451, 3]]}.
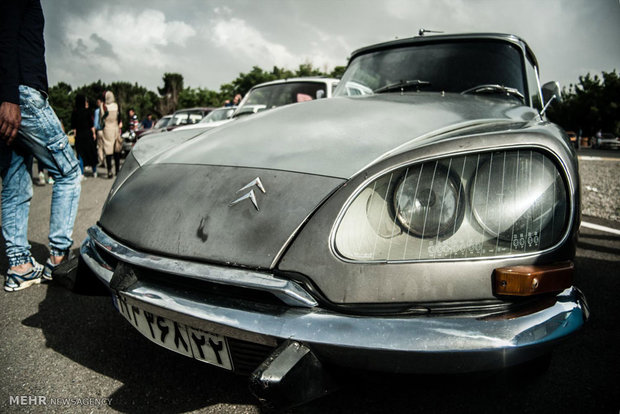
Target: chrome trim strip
{"points": [[548, 151], [287, 291]]}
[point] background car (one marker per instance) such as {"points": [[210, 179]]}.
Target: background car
{"points": [[427, 225], [270, 95], [217, 117], [608, 140], [159, 126], [187, 117], [287, 91]]}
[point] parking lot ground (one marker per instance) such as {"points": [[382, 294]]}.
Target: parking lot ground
{"points": [[77, 352]]}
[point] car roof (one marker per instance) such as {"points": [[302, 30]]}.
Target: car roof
{"points": [[198, 108], [516, 40]]}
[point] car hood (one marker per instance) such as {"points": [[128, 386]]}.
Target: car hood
{"points": [[339, 137], [238, 194]]}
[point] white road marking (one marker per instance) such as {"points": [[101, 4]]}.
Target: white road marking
{"points": [[599, 228], [591, 158]]}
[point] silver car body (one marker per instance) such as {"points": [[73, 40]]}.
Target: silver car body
{"points": [[238, 233]]}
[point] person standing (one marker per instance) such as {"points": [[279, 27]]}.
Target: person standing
{"points": [[112, 144], [134, 123], [29, 127], [85, 138], [98, 125]]}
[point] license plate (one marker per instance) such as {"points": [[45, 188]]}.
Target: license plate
{"points": [[189, 341]]}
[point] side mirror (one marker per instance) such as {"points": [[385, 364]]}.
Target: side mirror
{"points": [[551, 92], [549, 89]]}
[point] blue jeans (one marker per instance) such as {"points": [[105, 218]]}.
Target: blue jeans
{"points": [[41, 136]]}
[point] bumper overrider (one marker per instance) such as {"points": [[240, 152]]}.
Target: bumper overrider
{"points": [[411, 343]]}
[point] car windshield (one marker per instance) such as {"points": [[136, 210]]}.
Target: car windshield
{"points": [[286, 93], [186, 117], [218, 115], [437, 67], [163, 122]]}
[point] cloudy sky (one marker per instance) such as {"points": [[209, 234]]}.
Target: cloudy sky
{"points": [[211, 41]]}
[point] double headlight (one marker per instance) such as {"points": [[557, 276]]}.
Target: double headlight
{"points": [[472, 206]]}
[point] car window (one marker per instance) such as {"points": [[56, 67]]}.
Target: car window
{"points": [[447, 66], [194, 117], [218, 115], [179, 118]]}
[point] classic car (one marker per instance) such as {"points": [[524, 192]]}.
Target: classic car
{"points": [[426, 225]]}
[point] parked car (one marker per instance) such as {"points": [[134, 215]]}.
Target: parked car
{"points": [[271, 95], [180, 118], [608, 140], [129, 140], [159, 126], [427, 225], [287, 91], [217, 117]]}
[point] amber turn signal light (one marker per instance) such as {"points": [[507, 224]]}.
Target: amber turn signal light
{"points": [[532, 280]]}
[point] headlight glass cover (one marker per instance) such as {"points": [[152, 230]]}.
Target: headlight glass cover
{"points": [[482, 205]]}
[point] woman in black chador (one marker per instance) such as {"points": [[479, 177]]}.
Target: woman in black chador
{"points": [[85, 138]]}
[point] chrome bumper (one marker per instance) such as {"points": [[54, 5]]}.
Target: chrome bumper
{"points": [[422, 344]]}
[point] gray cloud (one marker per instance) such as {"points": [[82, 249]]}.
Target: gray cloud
{"points": [[569, 37], [103, 48]]}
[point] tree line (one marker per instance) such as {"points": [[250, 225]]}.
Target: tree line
{"points": [[173, 94], [589, 105]]}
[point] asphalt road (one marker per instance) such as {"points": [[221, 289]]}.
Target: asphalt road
{"points": [[56, 345]]}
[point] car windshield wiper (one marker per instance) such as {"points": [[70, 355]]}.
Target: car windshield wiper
{"points": [[402, 85], [491, 88]]}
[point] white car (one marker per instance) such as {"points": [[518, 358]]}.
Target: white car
{"points": [[270, 95]]}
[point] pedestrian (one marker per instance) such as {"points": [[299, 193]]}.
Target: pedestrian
{"points": [[147, 123], [112, 143], [29, 127], [98, 125], [84, 132]]}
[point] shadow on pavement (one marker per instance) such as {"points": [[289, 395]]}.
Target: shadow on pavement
{"points": [[87, 330], [583, 375]]}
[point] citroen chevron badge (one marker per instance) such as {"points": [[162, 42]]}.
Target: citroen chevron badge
{"points": [[250, 195]]}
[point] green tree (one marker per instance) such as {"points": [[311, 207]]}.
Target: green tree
{"points": [[173, 86], [337, 72], [590, 105], [61, 99], [306, 69]]}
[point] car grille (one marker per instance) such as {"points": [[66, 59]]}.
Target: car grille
{"points": [[195, 285]]}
